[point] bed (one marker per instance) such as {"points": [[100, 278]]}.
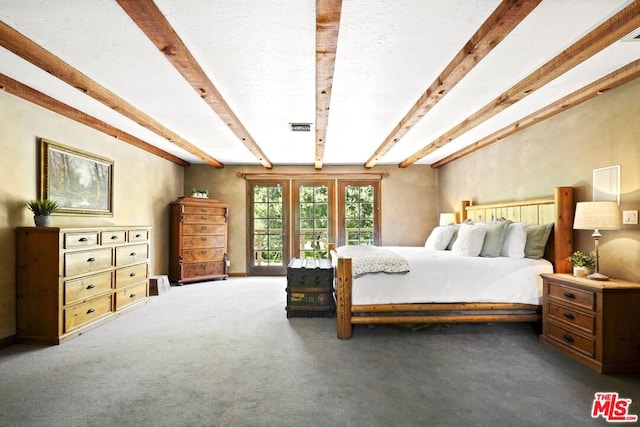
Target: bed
{"points": [[392, 298]]}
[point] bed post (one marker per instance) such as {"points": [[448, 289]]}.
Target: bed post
{"points": [[343, 295], [462, 215], [563, 229]]}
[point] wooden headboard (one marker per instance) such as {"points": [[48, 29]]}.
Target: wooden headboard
{"points": [[557, 210]]}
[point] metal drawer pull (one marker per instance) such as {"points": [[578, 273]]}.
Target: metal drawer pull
{"points": [[83, 239], [132, 274], [132, 254], [132, 295], [91, 286], [92, 259], [568, 338], [138, 236], [569, 295], [114, 237], [91, 310], [569, 316]]}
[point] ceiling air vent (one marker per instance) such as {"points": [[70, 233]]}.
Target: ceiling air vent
{"points": [[300, 127]]}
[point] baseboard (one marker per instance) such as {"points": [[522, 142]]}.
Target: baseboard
{"points": [[237, 274], [7, 341]]}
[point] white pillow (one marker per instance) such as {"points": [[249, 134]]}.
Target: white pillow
{"points": [[470, 239], [440, 237], [515, 239]]}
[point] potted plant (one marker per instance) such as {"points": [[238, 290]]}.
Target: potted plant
{"points": [[583, 263], [42, 210]]}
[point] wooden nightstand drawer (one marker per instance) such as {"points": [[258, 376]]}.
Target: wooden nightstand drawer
{"points": [[574, 317], [572, 295], [571, 339], [86, 287], [137, 235]]}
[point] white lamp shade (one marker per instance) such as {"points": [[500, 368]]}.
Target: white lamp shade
{"points": [[447, 218], [597, 216]]}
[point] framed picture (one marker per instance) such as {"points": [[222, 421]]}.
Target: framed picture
{"points": [[606, 184], [80, 182]]}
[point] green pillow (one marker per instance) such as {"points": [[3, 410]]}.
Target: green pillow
{"points": [[537, 236], [494, 239]]}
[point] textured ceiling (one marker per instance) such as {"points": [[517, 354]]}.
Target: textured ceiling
{"points": [[261, 56]]}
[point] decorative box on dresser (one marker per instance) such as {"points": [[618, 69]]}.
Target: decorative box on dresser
{"points": [[198, 240], [71, 279], [594, 322]]}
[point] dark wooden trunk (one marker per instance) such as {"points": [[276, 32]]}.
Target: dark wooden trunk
{"points": [[310, 291]]}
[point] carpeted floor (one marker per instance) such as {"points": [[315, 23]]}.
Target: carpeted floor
{"points": [[223, 353]]}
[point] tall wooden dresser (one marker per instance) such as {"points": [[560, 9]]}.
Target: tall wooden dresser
{"points": [[198, 242], [71, 279]]}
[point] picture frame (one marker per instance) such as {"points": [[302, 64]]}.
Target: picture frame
{"points": [[606, 184], [81, 183]]}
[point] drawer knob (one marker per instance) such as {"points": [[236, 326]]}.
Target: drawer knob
{"points": [[569, 316], [138, 236], [569, 295], [133, 274], [568, 337], [132, 295], [91, 286], [92, 259], [114, 237], [132, 254], [83, 239], [91, 310]]}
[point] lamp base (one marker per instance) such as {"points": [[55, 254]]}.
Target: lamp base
{"points": [[597, 276]]}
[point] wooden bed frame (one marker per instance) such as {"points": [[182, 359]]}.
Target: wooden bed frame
{"points": [[557, 209]]}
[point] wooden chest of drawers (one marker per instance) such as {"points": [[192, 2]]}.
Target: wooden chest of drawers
{"points": [[198, 240], [594, 322], [72, 279]]}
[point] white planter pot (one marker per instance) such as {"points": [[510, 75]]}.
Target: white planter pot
{"points": [[581, 271]]}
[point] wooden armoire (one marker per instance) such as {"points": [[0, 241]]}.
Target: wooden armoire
{"points": [[198, 240]]}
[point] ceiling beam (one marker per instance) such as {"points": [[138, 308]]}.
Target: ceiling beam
{"points": [[27, 93], [153, 23], [611, 81], [612, 30], [327, 27], [20, 45], [501, 22]]}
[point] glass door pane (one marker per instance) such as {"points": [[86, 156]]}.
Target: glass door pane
{"points": [[267, 225], [359, 213], [314, 219]]}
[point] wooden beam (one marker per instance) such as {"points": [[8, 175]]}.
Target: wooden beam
{"points": [[20, 45], [153, 23], [617, 78], [328, 14], [501, 22], [20, 90], [609, 32]]}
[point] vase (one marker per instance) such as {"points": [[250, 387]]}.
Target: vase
{"points": [[581, 271], [42, 220]]}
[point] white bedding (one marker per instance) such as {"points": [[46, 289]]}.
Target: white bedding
{"points": [[445, 277]]}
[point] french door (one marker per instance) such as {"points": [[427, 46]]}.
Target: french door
{"points": [[298, 218]]}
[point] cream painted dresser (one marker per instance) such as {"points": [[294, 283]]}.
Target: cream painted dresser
{"points": [[71, 279]]}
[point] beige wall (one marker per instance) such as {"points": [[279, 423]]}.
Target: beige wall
{"points": [[409, 197], [144, 184], [563, 151]]}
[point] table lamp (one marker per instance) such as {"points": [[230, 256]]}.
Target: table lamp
{"points": [[447, 218], [597, 216]]}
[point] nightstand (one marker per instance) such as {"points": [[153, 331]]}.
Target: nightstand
{"points": [[595, 322]]}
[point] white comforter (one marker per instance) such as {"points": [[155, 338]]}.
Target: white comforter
{"points": [[442, 276]]}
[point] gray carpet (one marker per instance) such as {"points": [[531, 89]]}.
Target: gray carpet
{"points": [[223, 353]]}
